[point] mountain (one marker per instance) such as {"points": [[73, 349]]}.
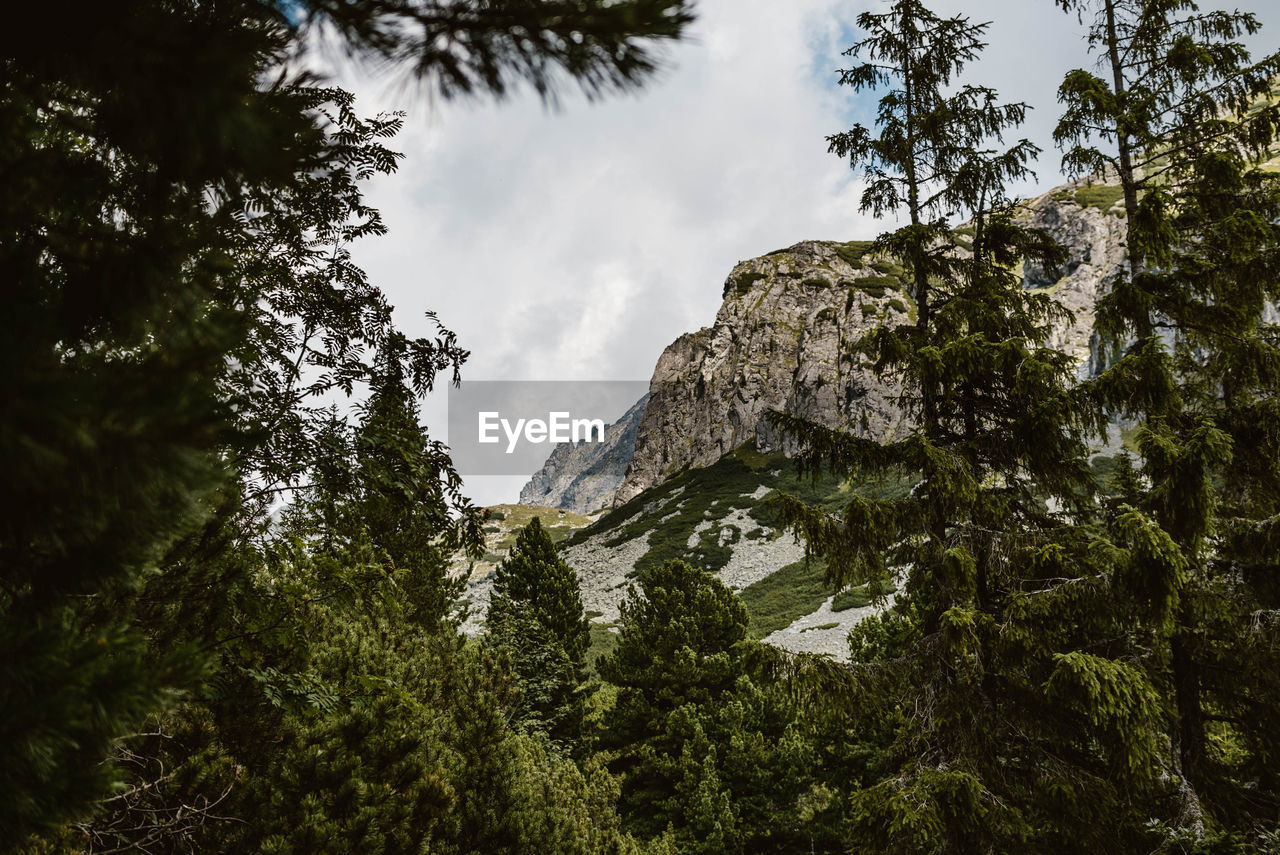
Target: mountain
{"points": [[584, 477], [782, 337], [703, 460]]}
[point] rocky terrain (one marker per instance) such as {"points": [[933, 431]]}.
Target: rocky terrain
{"points": [[1088, 219], [584, 477], [717, 517], [692, 467]]}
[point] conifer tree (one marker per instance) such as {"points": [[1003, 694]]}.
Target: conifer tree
{"points": [[535, 613], [675, 661], [1126, 482], [703, 751], [182, 220], [1015, 727], [403, 482], [1182, 117]]}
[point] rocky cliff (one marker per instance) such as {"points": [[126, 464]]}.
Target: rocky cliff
{"points": [[703, 461], [782, 337], [781, 340], [584, 477]]}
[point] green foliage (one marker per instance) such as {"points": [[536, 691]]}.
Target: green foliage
{"points": [[1118, 701], [341, 718], [742, 283], [877, 286], [603, 641], [678, 634], [181, 296], [853, 252], [861, 596], [779, 599], [1184, 118], [188, 664], [536, 617], [1103, 197], [703, 752]]}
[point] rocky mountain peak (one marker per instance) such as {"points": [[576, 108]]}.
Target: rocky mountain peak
{"points": [[782, 340]]}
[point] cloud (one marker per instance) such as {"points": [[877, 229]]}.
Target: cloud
{"points": [[577, 244]]}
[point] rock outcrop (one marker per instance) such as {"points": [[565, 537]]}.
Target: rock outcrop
{"points": [[1087, 219], [782, 339], [584, 477]]}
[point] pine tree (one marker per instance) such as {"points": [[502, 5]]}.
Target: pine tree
{"points": [[182, 221], [717, 761], [675, 661], [536, 615], [1183, 121], [1015, 726]]}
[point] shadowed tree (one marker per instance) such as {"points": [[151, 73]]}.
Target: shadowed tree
{"points": [[1015, 720], [174, 230], [1182, 117]]}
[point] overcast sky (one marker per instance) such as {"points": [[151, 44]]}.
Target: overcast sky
{"points": [[578, 243]]}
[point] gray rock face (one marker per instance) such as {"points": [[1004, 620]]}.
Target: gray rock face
{"points": [[1096, 241], [584, 477], [782, 341]]}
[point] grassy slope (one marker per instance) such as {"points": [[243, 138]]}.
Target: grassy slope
{"points": [[677, 506]]}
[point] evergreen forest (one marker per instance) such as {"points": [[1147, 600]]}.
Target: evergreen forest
{"points": [[227, 618]]}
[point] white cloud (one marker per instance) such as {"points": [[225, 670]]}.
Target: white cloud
{"points": [[578, 244]]}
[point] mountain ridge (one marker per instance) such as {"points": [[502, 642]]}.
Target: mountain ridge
{"points": [[704, 461], [781, 340]]}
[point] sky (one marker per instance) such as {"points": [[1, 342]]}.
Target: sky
{"points": [[576, 243]]}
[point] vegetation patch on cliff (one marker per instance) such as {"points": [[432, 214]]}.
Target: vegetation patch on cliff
{"points": [[741, 283], [852, 252], [1102, 197]]}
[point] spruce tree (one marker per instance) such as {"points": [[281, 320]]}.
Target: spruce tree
{"points": [[535, 614], [675, 662], [1015, 724], [1182, 118], [405, 492]]}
